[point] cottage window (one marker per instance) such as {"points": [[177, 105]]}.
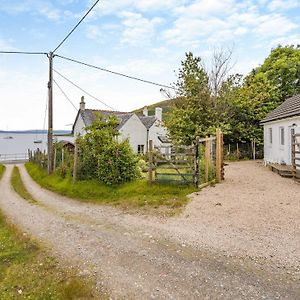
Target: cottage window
{"points": [[270, 135], [281, 135], [140, 149]]}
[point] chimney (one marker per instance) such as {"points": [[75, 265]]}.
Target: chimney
{"points": [[145, 111], [82, 103], [158, 113]]}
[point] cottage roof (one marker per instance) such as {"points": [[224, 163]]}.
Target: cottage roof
{"points": [[147, 121], [289, 108], [90, 115]]}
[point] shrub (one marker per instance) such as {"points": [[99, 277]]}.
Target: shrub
{"points": [[103, 158]]}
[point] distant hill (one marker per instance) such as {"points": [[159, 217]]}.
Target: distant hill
{"points": [[166, 105]]}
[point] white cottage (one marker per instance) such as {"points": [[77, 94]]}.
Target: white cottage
{"points": [[279, 125], [139, 129]]}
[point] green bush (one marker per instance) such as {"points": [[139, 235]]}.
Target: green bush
{"points": [[103, 157], [117, 163]]}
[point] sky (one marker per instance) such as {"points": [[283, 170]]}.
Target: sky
{"points": [[142, 38]]}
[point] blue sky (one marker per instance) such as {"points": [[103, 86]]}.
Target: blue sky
{"points": [[146, 38]]}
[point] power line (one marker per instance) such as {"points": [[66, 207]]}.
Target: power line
{"points": [[65, 95], [23, 52], [116, 73], [76, 25], [87, 93]]}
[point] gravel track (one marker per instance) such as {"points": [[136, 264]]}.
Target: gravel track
{"points": [[245, 248]]}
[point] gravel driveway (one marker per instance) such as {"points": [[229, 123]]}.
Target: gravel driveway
{"points": [[238, 240]]}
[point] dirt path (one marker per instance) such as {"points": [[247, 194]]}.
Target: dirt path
{"points": [[211, 251]]}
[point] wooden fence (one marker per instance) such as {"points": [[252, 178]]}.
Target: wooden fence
{"points": [[198, 164], [296, 156]]}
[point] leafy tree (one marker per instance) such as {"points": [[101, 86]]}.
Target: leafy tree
{"points": [[282, 70], [252, 102], [192, 115], [102, 157]]}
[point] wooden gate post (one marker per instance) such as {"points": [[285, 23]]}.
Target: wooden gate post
{"points": [[197, 160], [75, 162], [150, 152], [207, 157], [219, 155]]}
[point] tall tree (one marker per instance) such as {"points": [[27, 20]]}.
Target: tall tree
{"points": [[282, 70]]}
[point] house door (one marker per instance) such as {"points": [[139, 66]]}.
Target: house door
{"points": [[290, 141]]}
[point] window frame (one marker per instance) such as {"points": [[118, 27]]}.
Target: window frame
{"points": [[270, 131], [281, 136]]}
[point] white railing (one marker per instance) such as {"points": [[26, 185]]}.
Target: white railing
{"points": [[14, 157]]}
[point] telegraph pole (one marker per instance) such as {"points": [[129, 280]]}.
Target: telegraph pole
{"points": [[50, 114]]}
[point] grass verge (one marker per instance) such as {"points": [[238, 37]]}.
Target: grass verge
{"points": [[27, 272], [19, 187], [133, 194], [2, 169]]}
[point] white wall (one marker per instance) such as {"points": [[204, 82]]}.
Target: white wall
{"points": [[135, 130], [156, 130], [274, 152], [79, 127]]}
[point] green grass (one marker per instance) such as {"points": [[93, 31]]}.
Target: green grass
{"points": [[19, 187], [2, 169], [28, 272], [134, 194]]}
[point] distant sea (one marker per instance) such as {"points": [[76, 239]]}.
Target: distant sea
{"points": [[18, 142]]}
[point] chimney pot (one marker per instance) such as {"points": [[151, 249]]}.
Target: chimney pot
{"points": [[158, 113], [82, 103], [145, 111]]}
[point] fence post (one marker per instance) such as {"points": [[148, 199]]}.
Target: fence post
{"points": [[75, 162], [54, 159], [219, 155], [62, 156], [150, 152], [197, 157], [207, 157]]}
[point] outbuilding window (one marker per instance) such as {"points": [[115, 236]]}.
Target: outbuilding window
{"points": [[271, 135], [141, 149], [281, 135]]}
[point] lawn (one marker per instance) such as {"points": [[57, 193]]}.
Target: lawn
{"points": [[133, 194], [28, 272]]}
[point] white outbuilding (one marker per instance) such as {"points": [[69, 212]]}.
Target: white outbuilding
{"points": [[139, 129], [279, 126]]}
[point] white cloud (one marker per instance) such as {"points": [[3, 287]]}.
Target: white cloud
{"points": [[6, 45], [138, 29], [203, 8], [274, 25], [43, 8], [283, 4]]}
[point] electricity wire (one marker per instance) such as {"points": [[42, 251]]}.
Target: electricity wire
{"points": [[115, 73], [23, 52], [84, 91], [66, 96], [76, 26]]}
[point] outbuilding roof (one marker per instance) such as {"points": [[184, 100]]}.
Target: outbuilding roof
{"points": [[289, 108]]}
